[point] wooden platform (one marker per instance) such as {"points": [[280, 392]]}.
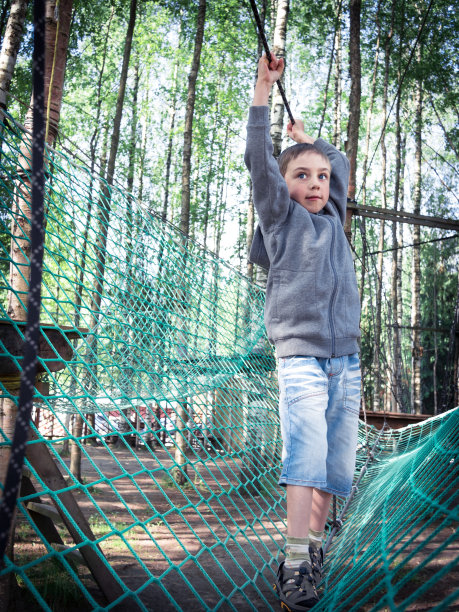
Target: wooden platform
{"points": [[394, 420]]}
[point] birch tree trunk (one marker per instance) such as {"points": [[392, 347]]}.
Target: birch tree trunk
{"points": [[396, 296], [378, 390], [416, 349], [10, 47], [330, 68], [277, 107], [352, 142], [336, 139], [189, 113], [367, 148], [105, 200], [170, 142], [55, 59], [181, 442], [103, 223], [55, 49], [21, 206]]}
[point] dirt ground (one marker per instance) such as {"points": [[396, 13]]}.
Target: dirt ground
{"points": [[206, 548]]}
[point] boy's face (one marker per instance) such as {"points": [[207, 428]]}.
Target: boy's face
{"points": [[308, 180]]}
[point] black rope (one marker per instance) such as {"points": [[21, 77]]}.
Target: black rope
{"points": [[413, 244], [268, 57], [26, 391]]}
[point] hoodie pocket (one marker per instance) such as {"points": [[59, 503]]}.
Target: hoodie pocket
{"points": [[347, 312], [294, 300]]}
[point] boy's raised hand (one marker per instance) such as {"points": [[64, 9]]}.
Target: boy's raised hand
{"points": [[268, 74], [296, 132]]}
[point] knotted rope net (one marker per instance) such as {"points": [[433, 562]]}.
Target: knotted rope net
{"points": [[155, 369]]}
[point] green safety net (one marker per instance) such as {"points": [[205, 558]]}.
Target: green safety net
{"points": [[154, 367]]}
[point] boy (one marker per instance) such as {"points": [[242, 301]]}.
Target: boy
{"points": [[312, 316]]}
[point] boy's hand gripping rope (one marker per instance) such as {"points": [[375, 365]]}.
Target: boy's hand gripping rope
{"points": [[268, 57]]}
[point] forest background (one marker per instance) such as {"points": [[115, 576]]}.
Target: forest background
{"points": [[376, 78]]}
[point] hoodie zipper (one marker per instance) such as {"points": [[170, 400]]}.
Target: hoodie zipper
{"points": [[335, 288]]}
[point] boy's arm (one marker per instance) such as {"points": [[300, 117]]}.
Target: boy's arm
{"points": [[339, 179], [268, 74], [270, 193]]}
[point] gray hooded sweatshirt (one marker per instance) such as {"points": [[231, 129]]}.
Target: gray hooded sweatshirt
{"points": [[312, 302]]}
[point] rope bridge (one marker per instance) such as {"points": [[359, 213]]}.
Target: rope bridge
{"points": [[155, 371]]}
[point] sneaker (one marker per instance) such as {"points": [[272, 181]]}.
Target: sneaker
{"points": [[296, 587], [317, 561]]}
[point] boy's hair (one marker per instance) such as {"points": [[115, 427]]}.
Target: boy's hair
{"points": [[294, 151]]}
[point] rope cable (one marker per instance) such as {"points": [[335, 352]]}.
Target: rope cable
{"points": [[268, 57], [413, 244], [26, 391]]}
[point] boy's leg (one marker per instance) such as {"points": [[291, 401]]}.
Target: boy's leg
{"points": [[303, 402], [299, 500], [319, 511], [299, 504]]}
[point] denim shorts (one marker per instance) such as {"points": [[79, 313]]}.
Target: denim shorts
{"points": [[319, 405]]}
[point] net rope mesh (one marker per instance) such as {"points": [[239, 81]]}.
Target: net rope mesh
{"points": [[158, 348]]}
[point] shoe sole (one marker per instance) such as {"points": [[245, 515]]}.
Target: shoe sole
{"points": [[285, 606]]}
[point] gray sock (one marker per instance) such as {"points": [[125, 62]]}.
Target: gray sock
{"points": [[315, 537], [297, 551]]}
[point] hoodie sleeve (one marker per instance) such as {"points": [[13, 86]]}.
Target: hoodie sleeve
{"points": [[339, 180], [270, 193]]}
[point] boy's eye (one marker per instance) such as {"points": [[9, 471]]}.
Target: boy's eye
{"points": [[323, 176], [302, 175]]}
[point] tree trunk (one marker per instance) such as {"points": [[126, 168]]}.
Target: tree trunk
{"points": [[355, 93], [435, 324], [336, 140], [105, 200], [21, 206], [188, 133], [104, 218], [181, 444], [366, 151], [352, 142], [330, 68], [55, 59], [170, 142], [10, 47], [279, 43], [210, 179], [416, 349], [396, 384], [396, 296], [379, 393], [144, 119], [95, 135]]}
